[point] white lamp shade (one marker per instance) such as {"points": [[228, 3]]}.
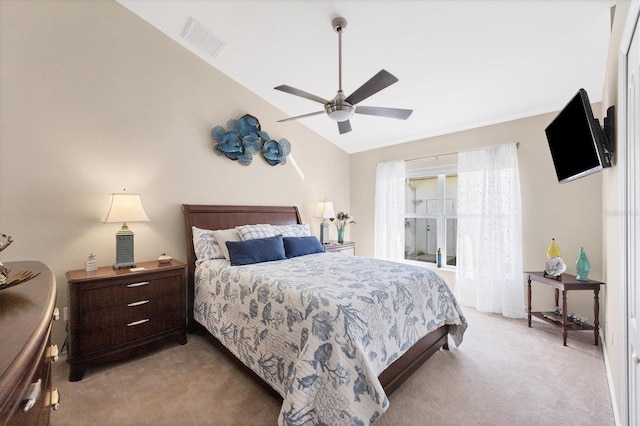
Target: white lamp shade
{"points": [[125, 208], [325, 210]]}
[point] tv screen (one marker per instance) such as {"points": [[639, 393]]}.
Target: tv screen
{"points": [[576, 140]]}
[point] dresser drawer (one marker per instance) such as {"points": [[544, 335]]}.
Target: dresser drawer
{"points": [[120, 293], [40, 379], [107, 338]]}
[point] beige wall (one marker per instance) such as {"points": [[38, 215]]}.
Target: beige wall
{"points": [[611, 235], [571, 213], [94, 100]]}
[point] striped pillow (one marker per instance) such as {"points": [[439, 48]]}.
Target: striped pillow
{"points": [[251, 232], [292, 230]]}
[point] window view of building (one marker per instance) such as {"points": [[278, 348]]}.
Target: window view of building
{"points": [[430, 218]]}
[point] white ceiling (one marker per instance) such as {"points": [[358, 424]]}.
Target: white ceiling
{"points": [[461, 64]]}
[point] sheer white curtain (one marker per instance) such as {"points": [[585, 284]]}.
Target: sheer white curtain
{"points": [[389, 210], [489, 264]]}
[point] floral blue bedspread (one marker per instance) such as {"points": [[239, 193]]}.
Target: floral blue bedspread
{"points": [[321, 328]]}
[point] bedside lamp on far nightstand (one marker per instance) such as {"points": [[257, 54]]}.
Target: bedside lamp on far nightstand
{"points": [[325, 211], [125, 208]]}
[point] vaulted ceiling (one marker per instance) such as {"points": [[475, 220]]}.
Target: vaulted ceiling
{"points": [[460, 64]]}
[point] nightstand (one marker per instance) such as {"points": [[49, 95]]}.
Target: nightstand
{"points": [[118, 313], [348, 247]]}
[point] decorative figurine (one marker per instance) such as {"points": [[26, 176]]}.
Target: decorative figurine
{"points": [[555, 266], [92, 263], [553, 250], [5, 241], [582, 266]]}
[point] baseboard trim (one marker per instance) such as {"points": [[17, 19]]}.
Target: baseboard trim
{"points": [[614, 405]]}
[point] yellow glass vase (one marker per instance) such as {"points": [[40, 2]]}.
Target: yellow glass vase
{"points": [[553, 250]]}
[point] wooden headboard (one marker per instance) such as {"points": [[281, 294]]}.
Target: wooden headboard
{"points": [[225, 217]]}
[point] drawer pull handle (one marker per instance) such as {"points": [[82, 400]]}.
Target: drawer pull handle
{"points": [[56, 314], [131, 324], [32, 395], [138, 284], [55, 399], [53, 353], [142, 302]]}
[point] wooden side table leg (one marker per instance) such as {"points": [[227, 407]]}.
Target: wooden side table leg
{"points": [[529, 300], [564, 317], [557, 293], [596, 314]]}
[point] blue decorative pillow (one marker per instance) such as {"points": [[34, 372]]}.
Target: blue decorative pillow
{"points": [[256, 250], [299, 246]]}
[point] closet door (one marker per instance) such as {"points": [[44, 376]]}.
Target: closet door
{"points": [[630, 132]]}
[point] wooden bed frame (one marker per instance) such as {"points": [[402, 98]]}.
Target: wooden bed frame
{"points": [[224, 217]]}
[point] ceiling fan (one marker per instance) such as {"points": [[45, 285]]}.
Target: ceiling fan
{"points": [[341, 108]]}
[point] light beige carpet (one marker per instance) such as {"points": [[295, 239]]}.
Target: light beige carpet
{"points": [[504, 373]]}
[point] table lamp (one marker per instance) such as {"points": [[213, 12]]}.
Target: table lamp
{"points": [[325, 211], [125, 208]]}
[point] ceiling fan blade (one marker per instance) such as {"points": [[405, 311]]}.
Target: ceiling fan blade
{"points": [[401, 114], [301, 93], [344, 127], [375, 84], [301, 116]]}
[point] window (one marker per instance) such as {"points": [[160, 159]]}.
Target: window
{"points": [[430, 220]]}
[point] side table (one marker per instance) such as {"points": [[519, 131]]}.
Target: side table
{"points": [[348, 247], [119, 313], [566, 283]]}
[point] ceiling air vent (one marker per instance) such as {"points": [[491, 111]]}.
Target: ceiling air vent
{"points": [[198, 35]]}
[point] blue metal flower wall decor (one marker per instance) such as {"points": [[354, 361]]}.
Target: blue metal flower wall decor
{"points": [[244, 139]]}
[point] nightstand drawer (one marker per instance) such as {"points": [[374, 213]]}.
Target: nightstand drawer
{"points": [[121, 293], [98, 319], [124, 334]]}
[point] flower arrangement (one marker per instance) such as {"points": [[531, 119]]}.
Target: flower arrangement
{"points": [[342, 220]]}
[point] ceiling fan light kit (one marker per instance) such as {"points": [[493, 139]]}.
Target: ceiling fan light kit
{"points": [[338, 109], [341, 108]]}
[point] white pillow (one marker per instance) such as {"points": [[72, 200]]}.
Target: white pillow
{"points": [[205, 245], [251, 232], [292, 230], [224, 235]]}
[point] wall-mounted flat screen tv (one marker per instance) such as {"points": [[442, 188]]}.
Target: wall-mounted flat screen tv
{"points": [[577, 142]]}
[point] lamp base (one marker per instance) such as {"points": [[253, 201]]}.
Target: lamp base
{"points": [[124, 265], [124, 249], [324, 233]]}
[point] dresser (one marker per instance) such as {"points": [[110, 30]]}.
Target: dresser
{"points": [[26, 314], [118, 313]]}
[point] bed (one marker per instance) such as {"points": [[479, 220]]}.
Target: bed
{"points": [[328, 365]]}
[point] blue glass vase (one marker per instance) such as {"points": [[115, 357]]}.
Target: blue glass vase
{"points": [[582, 266], [340, 236]]}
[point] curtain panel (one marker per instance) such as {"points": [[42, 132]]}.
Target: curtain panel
{"points": [[489, 268], [389, 210]]}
